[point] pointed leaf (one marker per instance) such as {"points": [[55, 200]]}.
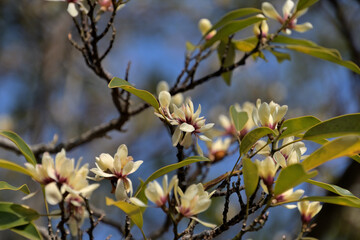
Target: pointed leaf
{"points": [[298, 125], [339, 126], [252, 137], [332, 188], [345, 146], [14, 167], [190, 47], [302, 4], [251, 176], [231, 28], [144, 95], [245, 45], [325, 54], [280, 56], [13, 215], [229, 60], [164, 170], [23, 147], [5, 186], [341, 200], [28, 231], [290, 177], [239, 118]]}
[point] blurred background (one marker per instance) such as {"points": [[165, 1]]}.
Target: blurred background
{"points": [[46, 89]]}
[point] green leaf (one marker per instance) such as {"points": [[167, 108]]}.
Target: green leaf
{"points": [[231, 28], [251, 176], [238, 13], [252, 137], [28, 231], [345, 146], [239, 118], [245, 45], [229, 60], [23, 147], [332, 188], [190, 47], [5, 186], [290, 177], [339, 126], [341, 200], [298, 125], [280, 56], [325, 54], [302, 4], [13, 215], [164, 170], [134, 212], [144, 95], [14, 167]]}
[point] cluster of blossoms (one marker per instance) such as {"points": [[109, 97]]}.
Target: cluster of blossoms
{"points": [[66, 182]]}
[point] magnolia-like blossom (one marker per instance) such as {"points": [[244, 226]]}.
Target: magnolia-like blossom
{"points": [[229, 127], [263, 148], [261, 27], [288, 196], [268, 115], [157, 194], [72, 6], [289, 14], [267, 171], [177, 99], [290, 154], [308, 210], [204, 26], [117, 170], [194, 201], [218, 149], [61, 177]]}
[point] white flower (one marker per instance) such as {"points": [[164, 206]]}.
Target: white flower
{"points": [[264, 146], [267, 170], [72, 6], [204, 26], [269, 11], [157, 194], [116, 169], [308, 210], [289, 196], [261, 27], [268, 115], [194, 201], [290, 154], [177, 99], [218, 149]]}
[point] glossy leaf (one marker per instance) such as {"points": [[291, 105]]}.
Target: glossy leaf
{"points": [[14, 167], [339, 200], [23, 147], [231, 28], [335, 127], [144, 95], [251, 176], [13, 215], [280, 56], [28, 231], [245, 45], [290, 177], [229, 59], [302, 4], [252, 137], [298, 125], [164, 170], [239, 118], [345, 146], [332, 188], [325, 54], [5, 186]]}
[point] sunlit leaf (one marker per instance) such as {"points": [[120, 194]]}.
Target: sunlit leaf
{"points": [[164, 170], [239, 118], [325, 54], [251, 176], [339, 126], [302, 4], [229, 59], [252, 137], [298, 125], [245, 45], [280, 56], [339, 200], [28, 231], [290, 177], [5, 186], [13, 215], [332, 188], [190, 47], [345, 146], [144, 95], [23, 147], [14, 167], [231, 28]]}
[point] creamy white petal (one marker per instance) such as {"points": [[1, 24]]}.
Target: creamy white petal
{"points": [[72, 10], [303, 27], [269, 11], [206, 224], [185, 127], [176, 136], [52, 193]]}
